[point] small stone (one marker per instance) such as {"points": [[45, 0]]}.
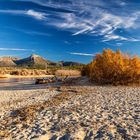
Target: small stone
{"points": [[65, 137]]}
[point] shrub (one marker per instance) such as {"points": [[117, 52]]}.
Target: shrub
{"points": [[17, 72], [113, 68]]}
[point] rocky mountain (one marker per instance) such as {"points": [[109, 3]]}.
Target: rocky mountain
{"points": [[8, 61], [33, 61]]}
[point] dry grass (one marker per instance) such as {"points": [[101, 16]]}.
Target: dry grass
{"points": [[67, 73], [23, 72], [114, 68], [37, 72]]}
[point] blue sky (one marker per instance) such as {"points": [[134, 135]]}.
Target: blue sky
{"points": [[70, 30]]}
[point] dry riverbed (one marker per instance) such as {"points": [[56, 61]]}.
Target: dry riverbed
{"points": [[78, 111]]}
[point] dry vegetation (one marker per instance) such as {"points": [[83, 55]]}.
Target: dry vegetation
{"points": [[113, 68], [5, 71], [23, 72], [68, 73]]}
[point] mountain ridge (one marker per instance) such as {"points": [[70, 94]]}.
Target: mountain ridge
{"points": [[33, 61]]}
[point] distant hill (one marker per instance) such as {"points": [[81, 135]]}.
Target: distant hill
{"points": [[33, 61], [8, 61], [69, 63]]}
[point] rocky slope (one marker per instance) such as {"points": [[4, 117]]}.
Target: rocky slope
{"points": [[32, 61], [8, 61]]}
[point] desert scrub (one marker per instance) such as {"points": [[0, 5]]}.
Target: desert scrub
{"points": [[28, 72], [113, 68]]}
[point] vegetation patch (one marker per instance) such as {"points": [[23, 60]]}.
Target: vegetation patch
{"points": [[113, 68]]}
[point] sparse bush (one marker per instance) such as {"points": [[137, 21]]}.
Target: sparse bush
{"points": [[15, 72], [113, 68], [26, 72]]}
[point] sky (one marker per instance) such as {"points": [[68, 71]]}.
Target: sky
{"points": [[69, 30]]}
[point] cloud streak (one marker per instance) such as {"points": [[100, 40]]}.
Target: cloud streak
{"points": [[32, 13], [82, 54], [14, 49], [35, 14]]}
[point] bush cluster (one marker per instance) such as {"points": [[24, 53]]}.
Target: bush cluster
{"points": [[113, 68]]}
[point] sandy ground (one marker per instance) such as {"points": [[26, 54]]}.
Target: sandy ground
{"points": [[77, 111]]}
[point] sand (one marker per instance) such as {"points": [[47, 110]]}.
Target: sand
{"points": [[64, 112]]}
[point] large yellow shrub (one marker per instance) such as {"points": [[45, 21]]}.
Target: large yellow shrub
{"points": [[113, 68]]}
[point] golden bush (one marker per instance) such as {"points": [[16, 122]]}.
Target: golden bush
{"points": [[113, 68]]}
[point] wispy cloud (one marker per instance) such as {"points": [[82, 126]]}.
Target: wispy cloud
{"points": [[99, 22], [14, 49], [90, 17], [35, 14], [109, 37], [105, 25], [82, 54]]}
